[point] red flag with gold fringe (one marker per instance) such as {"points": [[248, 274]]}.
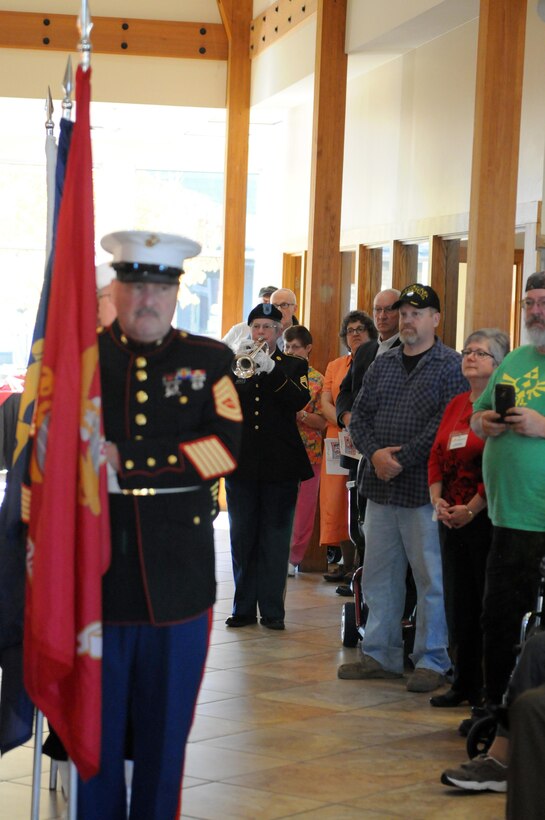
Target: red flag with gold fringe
{"points": [[68, 544]]}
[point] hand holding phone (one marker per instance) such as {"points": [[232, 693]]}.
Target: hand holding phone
{"points": [[504, 399]]}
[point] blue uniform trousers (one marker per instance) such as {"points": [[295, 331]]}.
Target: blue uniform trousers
{"points": [[261, 520], [150, 681]]}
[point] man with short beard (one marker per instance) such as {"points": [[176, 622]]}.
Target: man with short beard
{"points": [[393, 424], [514, 476]]}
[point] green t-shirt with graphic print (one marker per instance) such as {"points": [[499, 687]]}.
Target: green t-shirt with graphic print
{"points": [[514, 465]]}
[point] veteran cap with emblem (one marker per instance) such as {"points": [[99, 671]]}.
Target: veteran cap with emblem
{"points": [[419, 296], [264, 311], [143, 256]]}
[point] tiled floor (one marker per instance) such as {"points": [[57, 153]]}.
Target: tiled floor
{"points": [[277, 735]]}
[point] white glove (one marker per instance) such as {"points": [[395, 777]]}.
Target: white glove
{"points": [[245, 346], [263, 362]]}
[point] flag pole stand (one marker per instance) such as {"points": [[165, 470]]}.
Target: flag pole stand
{"points": [[37, 766], [72, 792]]}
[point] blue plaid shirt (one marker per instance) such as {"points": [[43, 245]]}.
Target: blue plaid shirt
{"points": [[396, 408]]}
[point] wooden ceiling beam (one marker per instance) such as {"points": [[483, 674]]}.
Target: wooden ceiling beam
{"points": [[277, 20], [115, 35]]}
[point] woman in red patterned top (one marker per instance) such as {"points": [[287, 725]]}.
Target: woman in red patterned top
{"points": [[458, 496]]}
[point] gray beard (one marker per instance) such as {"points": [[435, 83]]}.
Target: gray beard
{"points": [[537, 336]]}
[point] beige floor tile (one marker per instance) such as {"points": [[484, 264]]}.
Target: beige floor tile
{"points": [[258, 711], [16, 798], [218, 800], [286, 742], [210, 763]]}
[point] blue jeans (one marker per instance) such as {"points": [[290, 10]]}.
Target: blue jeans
{"points": [[261, 520], [394, 536]]}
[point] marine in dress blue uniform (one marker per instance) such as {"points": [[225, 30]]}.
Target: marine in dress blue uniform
{"points": [[172, 422], [262, 492]]}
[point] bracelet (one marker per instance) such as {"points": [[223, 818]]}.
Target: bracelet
{"points": [[469, 511]]}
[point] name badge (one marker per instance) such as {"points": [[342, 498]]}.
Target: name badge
{"points": [[458, 440]]}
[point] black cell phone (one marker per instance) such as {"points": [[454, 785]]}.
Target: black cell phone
{"points": [[504, 398]]}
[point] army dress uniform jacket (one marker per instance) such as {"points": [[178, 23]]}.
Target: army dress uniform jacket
{"points": [[172, 411], [271, 448]]}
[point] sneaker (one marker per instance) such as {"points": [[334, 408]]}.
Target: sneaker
{"points": [[366, 669], [424, 680], [482, 774], [291, 570]]}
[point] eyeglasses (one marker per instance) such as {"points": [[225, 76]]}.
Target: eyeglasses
{"points": [[528, 304], [263, 327], [285, 305], [385, 310], [351, 330], [480, 354]]}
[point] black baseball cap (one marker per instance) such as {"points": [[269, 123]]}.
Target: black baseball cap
{"points": [[419, 296]]}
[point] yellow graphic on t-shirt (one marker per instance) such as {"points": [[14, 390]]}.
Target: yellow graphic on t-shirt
{"points": [[527, 387]]}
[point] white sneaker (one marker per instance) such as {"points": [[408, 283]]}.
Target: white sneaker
{"points": [[291, 570]]}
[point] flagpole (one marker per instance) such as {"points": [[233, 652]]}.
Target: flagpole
{"points": [[84, 47], [68, 87]]}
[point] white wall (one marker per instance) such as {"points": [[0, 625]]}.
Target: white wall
{"points": [[408, 144]]}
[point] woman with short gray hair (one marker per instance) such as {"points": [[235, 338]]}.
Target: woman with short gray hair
{"points": [[458, 496]]}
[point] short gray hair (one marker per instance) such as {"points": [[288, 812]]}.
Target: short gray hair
{"points": [[498, 341]]}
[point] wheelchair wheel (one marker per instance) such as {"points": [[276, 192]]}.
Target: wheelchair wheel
{"points": [[481, 735], [349, 630]]}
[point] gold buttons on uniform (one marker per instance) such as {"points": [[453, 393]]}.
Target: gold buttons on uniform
{"points": [[141, 361], [256, 413], [138, 438], [257, 398], [124, 339], [183, 399], [196, 520], [183, 334], [172, 459], [141, 375], [129, 464], [151, 462], [142, 397], [140, 419], [256, 427]]}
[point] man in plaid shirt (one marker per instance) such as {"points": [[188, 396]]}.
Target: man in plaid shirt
{"points": [[394, 421]]}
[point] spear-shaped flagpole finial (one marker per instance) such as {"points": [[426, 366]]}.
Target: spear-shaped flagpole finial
{"points": [[85, 25], [49, 124], [68, 87]]}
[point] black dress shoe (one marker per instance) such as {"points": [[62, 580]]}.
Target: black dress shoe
{"points": [[273, 623], [450, 698], [240, 620], [344, 590], [335, 576]]}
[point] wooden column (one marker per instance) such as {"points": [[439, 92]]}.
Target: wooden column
{"points": [[236, 16], [322, 297], [500, 64], [369, 276], [404, 265], [445, 255]]}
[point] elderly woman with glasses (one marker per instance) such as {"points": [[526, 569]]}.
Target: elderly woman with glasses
{"points": [[356, 328], [311, 424], [458, 496]]}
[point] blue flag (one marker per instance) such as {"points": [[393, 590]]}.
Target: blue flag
{"points": [[16, 710]]}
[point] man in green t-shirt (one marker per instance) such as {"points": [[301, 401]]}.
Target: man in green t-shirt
{"points": [[514, 476]]}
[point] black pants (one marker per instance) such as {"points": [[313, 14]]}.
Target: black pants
{"points": [[261, 521], [464, 553], [512, 578]]}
